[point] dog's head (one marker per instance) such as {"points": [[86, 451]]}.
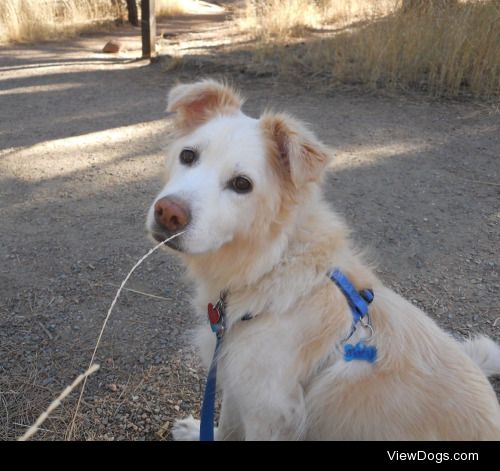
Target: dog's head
{"points": [[230, 177]]}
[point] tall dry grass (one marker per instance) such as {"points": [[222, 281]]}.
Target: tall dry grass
{"points": [[443, 47], [32, 20], [280, 20], [184, 7], [170, 7]]}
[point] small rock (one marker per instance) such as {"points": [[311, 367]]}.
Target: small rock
{"points": [[112, 47], [169, 35]]}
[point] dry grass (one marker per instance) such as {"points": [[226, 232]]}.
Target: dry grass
{"points": [[38, 20], [110, 310], [184, 7], [446, 48], [281, 20], [56, 403], [171, 7], [35, 20]]}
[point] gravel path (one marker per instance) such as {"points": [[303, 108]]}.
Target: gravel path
{"points": [[81, 137]]}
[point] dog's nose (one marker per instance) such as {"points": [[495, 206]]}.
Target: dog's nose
{"points": [[171, 214]]}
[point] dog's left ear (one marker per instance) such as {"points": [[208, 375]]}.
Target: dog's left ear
{"points": [[196, 103], [295, 152]]}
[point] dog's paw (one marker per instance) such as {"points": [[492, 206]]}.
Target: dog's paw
{"points": [[187, 429]]}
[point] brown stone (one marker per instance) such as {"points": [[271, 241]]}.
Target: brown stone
{"points": [[112, 47], [167, 35]]}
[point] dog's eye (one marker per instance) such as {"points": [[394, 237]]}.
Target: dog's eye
{"points": [[188, 157], [241, 184]]}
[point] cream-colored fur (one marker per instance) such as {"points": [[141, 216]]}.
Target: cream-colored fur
{"points": [[282, 374]]}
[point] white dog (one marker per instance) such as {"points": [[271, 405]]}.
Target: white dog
{"points": [[246, 193]]}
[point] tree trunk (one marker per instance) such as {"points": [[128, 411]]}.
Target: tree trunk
{"points": [[132, 12]]}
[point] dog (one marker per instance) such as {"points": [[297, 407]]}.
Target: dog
{"points": [[245, 196]]}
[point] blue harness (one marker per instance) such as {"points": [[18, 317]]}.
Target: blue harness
{"points": [[358, 302]]}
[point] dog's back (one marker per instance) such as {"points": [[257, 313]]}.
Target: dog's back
{"points": [[422, 387]]}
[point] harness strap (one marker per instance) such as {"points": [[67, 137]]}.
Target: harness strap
{"points": [[358, 301]]}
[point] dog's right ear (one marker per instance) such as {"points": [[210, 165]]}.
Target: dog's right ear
{"points": [[295, 153], [196, 103]]}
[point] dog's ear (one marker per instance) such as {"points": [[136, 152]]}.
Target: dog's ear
{"points": [[295, 152], [196, 103]]}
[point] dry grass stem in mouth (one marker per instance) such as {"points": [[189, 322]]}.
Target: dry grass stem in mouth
{"points": [[110, 310]]}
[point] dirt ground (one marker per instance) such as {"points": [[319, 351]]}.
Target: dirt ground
{"points": [[81, 147]]}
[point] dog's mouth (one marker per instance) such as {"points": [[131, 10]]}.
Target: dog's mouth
{"points": [[161, 236]]}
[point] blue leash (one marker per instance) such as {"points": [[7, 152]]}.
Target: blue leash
{"points": [[208, 407], [358, 302], [216, 316]]}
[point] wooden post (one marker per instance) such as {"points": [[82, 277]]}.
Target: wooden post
{"points": [[148, 28]]}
